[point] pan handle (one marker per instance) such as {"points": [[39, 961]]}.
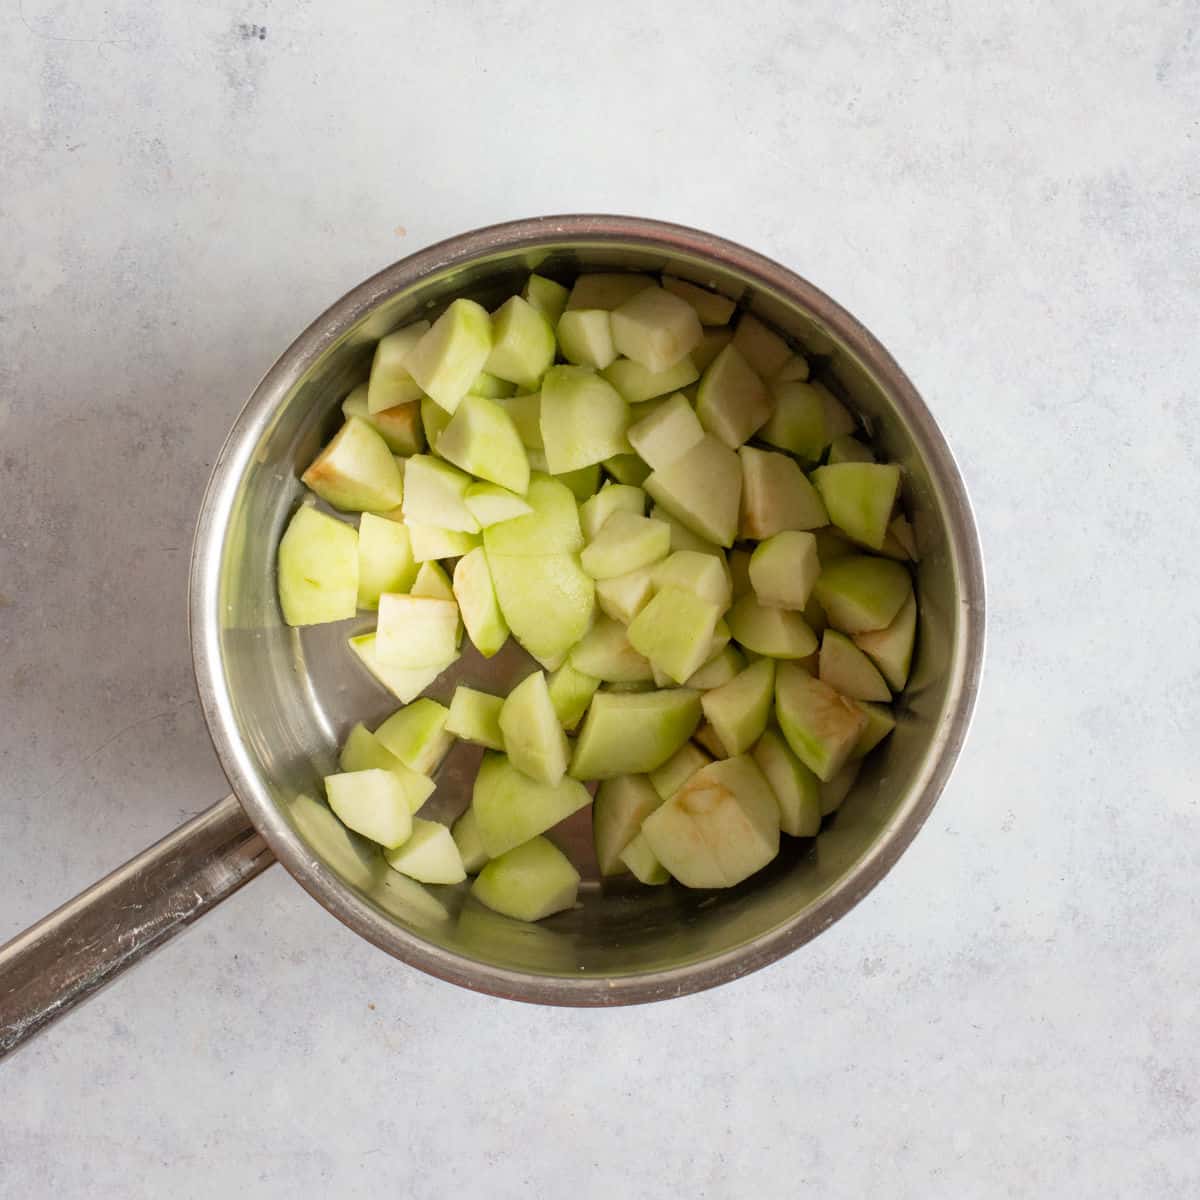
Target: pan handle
{"points": [[76, 950]]}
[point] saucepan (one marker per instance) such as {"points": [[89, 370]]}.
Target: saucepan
{"points": [[278, 700]]}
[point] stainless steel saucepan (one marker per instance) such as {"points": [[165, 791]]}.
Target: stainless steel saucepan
{"points": [[278, 700]]}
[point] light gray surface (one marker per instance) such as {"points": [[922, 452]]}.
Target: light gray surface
{"points": [[1008, 195]]}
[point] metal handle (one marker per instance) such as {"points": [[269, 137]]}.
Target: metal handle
{"points": [[76, 950]]}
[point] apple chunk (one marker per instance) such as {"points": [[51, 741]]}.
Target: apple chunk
{"points": [[522, 344], [416, 631], [732, 402], [860, 497], [482, 439], [390, 382], [318, 568], [510, 808], [356, 471], [633, 733], [702, 489], [655, 329], [476, 596], [533, 738], [821, 725], [449, 356], [373, 803], [529, 882], [621, 805], [429, 855], [860, 594], [583, 419], [548, 602], [776, 495], [417, 735]]}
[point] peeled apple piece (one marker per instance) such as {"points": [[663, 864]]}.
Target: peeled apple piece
{"points": [[548, 602], [373, 803], [475, 717], [405, 683], [702, 574], [834, 793], [719, 669], [533, 738], [416, 631], [490, 504], [385, 559], [891, 648], [584, 483], [796, 368], [666, 433], [571, 692], [860, 593], [633, 733], [674, 631], [642, 862], [775, 632], [583, 419], [434, 494], [627, 469], [620, 807], [482, 439], [356, 471], [465, 832], [417, 735], [848, 670], [363, 751], [510, 808], [429, 542], [848, 449], [452, 352], [522, 344], [399, 426], [798, 422], [880, 723], [740, 709], [797, 790], [585, 337], [860, 498], [432, 581], [625, 542], [491, 386], [711, 307], [624, 596], [525, 412], [530, 882], [732, 402], [605, 653], [551, 528], [678, 769], [476, 596], [434, 419], [607, 290], [762, 348], [776, 495], [655, 328], [637, 384], [429, 855], [713, 342], [318, 568], [682, 538], [783, 569], [821, 726], [702, 489], [547, 296], [613, 497], [391, 383]]}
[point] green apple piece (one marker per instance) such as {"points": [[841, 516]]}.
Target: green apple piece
{"points": [[655, 329], [625, 542], [637, 384], [710, 307], [583, 482], [547, 296], [901, 540], [718, 670], [846, 449], [585, 337], [634, 732], [318, 568], [666, 433], [627, 469], [797, 423], [762, 348], [551, 528], [525, 412], [404, 683], [739, 709], [891, 648], [476, 596], [363, 751], [613, 497], [719, 828], [583, 419], [678, 769], [490, 504], [373, 803], [522, 344], [571, 692], [732, 401], [429, 543], [713, 342], [821, 725], [530, 882], [860, 593], [465, 832], [797, 790], [880, 723], [682, 538], [707, 737], [356, 471], [607, 290], [548, 602], [390, 383], [848, 670], [475, 717], [449, 356], [704, 575], [860, 497], [605, 653], [624, 596], [430, 855], [491, 386], [739, 572], [776, 495], [834, 793], [642, 863], [434, 419], [510, 807], [482, 439], [775, 632], [702, 488], [796, 368], [621, 805], [675, 631], [432, 581], [399, 426], [416, 631], [838, 418], [434, 494], [784, 568], [533, 738], [418, 735]]}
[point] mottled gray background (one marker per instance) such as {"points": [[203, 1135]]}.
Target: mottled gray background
{"points": [[1008, 194]]}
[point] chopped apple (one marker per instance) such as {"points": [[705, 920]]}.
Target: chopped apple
{"points": [[880, 723], [533, 738], [621, 805], [838, 418], [675, 630], [571, 692], [821, 726], [482, 439], [682, 538], [633, 733], [548, 602], [710, 307], [891, 648], [390, 382], [655, 328], [399, 426], [432, 581], [385, 559], [451, 354], [783, 569], [363, 751], [465, 832], [525, 412], [475, 717], [860, 497], [846, 449], [585, 337], [476, 596], [860, 594], [605, 653], [713, 342], [761, 347], [613, 497], [719, 670], [702, 488], [775, 632], [739, 710], [490, 504], [797, 423], [796, 788], [510, 807], [373, 803], [703, 575], [529, 882], [625, 542], [607, 290], [583, 483], [356, 471], [732, 401], [547, 296], [434, 419], [642, 862], [429, 855], [404, 683], [707, 737], [491, 386], [624, 596], [834, 793], [522, 345], [416, 631], [678, 769], [627, 469], [417, 735], [666, 433], [796, 368], [583, 419], [551, 528], [318, 568], [434, 494], [429, 542], [637, 384], [776, 495], [848, 670]]}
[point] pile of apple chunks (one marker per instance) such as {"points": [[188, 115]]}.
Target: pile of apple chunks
{"points": [[673, 520]]}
